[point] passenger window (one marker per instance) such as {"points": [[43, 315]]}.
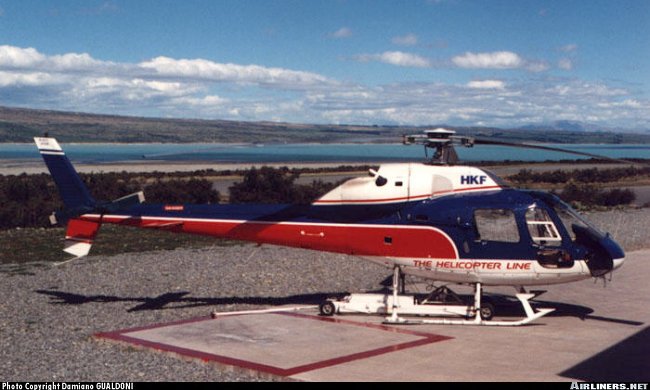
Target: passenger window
{"points": [[541, 228], [496, 225]]}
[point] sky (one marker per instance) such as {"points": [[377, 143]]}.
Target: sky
{"points": [[503, 63]]}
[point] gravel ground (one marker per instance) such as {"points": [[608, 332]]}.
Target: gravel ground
{"points": [[629, 227], [48, 316]]}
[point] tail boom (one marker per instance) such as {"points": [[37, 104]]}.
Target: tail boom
{"points": [[268, 224]]}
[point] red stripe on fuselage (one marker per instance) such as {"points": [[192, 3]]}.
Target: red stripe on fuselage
{"points": [[384, 200], [467, 189], [364, 240]]}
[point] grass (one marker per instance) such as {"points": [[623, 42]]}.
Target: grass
{"points": [[23, 249]]}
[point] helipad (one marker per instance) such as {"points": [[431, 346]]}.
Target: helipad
{"points": [[597, 333], [283, 344]]}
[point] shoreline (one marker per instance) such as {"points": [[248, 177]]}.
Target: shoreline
{"points": [[13, 167], [37, 166]]}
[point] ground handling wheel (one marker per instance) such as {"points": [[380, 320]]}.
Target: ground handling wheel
{"points": [[487, 311], [327, 308]]}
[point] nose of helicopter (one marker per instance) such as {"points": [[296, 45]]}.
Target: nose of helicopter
{"points": [[618, 263], [614, 251], [605, 255]]}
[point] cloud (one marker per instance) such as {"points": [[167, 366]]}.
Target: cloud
{"points": [[30, 58], [16, 57], [486, 84], [200, 69], [570, 48], [405, 40], [397, 58], [498, 60], [203, 88], [209, 101], [79, 82], [565, 63], [13, 79], [484, 102], [187, 70], [493, 60], [536, 66], [627, 103], [107, 7], [341, 33]]}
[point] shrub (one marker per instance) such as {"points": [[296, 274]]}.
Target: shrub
{"points": [[589, 195], [271, 185]]}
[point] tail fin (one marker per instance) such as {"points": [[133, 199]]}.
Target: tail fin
{"points": [[80, 231], [75, 195], [73, 192]]}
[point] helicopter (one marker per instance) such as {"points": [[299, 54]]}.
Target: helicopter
{"points": [[435, 220]]}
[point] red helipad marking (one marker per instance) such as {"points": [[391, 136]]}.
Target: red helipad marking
{"points": [[424, 339]]}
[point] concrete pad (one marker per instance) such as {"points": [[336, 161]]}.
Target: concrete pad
{"points": [[282, 344], [599, 332]]}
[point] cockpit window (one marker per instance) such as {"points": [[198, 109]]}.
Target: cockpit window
{"points": [[496, 225], [568, 215], [570, 218], [541, 228]]}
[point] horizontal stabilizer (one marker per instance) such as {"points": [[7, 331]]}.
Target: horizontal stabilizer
{"points": [[80, 236], [124, 202]]}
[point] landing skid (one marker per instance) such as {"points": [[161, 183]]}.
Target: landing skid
{"points": [[531, 315], [396, 304]]}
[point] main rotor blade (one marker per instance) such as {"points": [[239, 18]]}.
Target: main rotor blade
{"points": [[478, 141]]}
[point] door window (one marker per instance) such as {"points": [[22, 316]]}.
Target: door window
{"points": [[496, 225], [541, 228]]}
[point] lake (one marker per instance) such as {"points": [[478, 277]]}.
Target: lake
{"points": [[296, 153]]}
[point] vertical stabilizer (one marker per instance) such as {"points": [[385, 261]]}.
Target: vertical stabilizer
{"points": [[73, 191], [80, 233]]}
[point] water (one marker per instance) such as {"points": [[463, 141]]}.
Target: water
{"points": [[295, 153]]}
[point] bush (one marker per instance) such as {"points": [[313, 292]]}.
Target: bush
{"points": [[28, 200], [589, 195], [590, 175], [271, 185], [181, 191]]}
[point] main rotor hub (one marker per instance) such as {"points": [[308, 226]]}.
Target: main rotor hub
{"points": [[441, 140], [439, 135]]}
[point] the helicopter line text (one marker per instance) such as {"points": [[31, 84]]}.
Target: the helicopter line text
{"points": [[488, 265]]}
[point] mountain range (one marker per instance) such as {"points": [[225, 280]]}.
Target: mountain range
{"points": [[22, 124]]}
